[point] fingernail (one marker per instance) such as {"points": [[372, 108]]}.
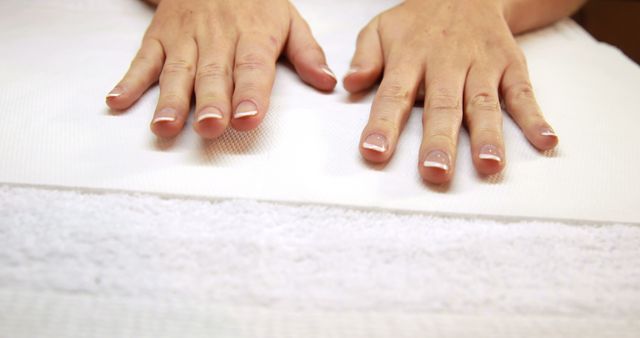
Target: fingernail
{"points": [[209, 113], [245, 109], [165, 115], [328, 71], [437, 159], [352, 70], [490, 152], [548, 132], [115, 92], [376, 142]]}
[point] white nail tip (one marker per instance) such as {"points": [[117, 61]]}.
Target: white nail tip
{"points": [[329, 72], [374, 147], [548, 133], [164, 119], [490, 157], [207, 116], [433, 164], [113, 95], [238, 115]]}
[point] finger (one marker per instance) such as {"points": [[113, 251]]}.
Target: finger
{"points": [[254, 73], [143, 72], [367, 62], [390, 110], [483, 117], [176, 88], [213, 85], [307, 56], [521, 104], [442, 118]]}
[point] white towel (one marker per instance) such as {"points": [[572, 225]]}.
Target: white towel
{"points": [[92, 265]]}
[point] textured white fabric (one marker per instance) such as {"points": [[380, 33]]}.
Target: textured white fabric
{"points": [[59, 58], [92, 265], [89, 265]]}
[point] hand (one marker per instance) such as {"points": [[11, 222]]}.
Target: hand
{"points": [[225, 52], [464, 54]]}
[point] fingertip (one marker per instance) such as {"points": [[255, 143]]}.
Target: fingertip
{"points": [[548, 143], [434, 175], [326, 79], [246, 116], [117, 99], [489, 160], [375, 147], [359, 79], [167, 122], [350, 82], [489, 167], [320, 77], [436, 167], [545, 138], [245, 124], [210, 123], [165, 128], [374, 156]]}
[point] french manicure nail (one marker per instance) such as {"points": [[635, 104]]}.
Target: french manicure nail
{"points": [[376, 142], [115, 92], [490, 152], [245, 109], [328, 71], [437, 159], [165, 115], [210, 113], [548, 132]]}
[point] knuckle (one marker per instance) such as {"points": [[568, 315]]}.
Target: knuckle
{"points": [[146, 61], [520, 91], [210, 97], [143, 58], [178, 66], [213, 71], [395, 93], [251, 62], [443, 100], [205, 90], [447, 124], [186, 18], [484, 101]]}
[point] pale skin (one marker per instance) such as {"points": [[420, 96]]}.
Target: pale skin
{"points": [[225, 53], [462, 52]]}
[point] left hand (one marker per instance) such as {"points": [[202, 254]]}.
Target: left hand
{"points": [[465, 55], [224, 53]]}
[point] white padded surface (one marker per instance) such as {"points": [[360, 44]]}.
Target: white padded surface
{"points": [[56, 131]]}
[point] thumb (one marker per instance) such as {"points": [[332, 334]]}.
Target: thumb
{"points": [[368, 62], [306, 55]]}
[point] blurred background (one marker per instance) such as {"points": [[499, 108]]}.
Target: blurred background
{"points": [[616, 22]]}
